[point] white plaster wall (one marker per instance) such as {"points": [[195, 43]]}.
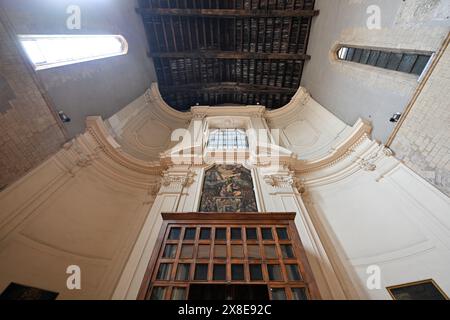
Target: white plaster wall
{"points": [[176, 196], [285, 198], [361, 206], [306, 128], [313, 132], [351, 90], [144, 127], [389, 217], [74, 209]]}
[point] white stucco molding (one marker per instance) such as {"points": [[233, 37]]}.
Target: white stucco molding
{"points": [[97, 129], [360, 131], [183, 179], [243, 111], [195, 154], [153, 98], [279, 180], [301, 97]]}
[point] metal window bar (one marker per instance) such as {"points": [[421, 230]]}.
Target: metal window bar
{"points": [[227, 139]]}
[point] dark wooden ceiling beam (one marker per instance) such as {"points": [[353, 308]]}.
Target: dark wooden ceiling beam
{"points": [[226, 13], [217, 54], [203, 50], [226, 87]]}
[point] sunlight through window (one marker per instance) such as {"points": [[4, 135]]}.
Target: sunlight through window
{"points": [[220, 139], [49, 51]]}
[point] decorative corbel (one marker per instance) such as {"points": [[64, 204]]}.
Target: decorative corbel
{"points": [[388, 152]]}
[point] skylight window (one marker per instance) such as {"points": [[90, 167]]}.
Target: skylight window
{"points": [[50, 51], [402, 61]]}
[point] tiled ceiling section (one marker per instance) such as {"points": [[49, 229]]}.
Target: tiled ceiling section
{"points": [[216, 52]]}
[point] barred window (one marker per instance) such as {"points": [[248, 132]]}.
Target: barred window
{"points": [[227, 139], [402, 61]]}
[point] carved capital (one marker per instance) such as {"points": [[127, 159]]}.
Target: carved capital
{"points": [[299, 184], [198, 116], [279, 180], [154, 188], [259, 113], [176, 179]]}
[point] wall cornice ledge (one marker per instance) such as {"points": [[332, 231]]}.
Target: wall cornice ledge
{"points": [[228, 111], [97, 129], [360, 132]]}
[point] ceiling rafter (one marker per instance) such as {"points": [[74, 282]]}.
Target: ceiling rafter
{"points": [[226, 13], [220, 52], [229, 87]]}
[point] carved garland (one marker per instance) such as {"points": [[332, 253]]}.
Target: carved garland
{"points": [[368, 163], [279, 181], [285, 181]]}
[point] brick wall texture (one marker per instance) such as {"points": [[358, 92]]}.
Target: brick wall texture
{"points": [[29, 133], [423, 141]]}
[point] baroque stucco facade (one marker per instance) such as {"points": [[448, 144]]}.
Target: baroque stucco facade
{"points": [[97, 203]]}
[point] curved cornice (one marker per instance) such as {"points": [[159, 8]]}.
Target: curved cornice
{"points": [[239, 111], [97, 129], [360, 132], [153, 96], [300, 98]]}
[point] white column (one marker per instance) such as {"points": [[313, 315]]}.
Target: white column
{"points": [[177, 194], [280, 195]]}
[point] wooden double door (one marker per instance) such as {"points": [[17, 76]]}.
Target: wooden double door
{"points": [[229, 256]]}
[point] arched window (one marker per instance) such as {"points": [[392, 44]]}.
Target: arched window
{"points": [[50, 51], [228, 188], [403, 61]]}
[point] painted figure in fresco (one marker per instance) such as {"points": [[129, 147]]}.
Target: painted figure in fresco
{"points": [[228, 188]]}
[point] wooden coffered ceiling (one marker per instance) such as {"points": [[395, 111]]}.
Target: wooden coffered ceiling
{"points": [[215, 52]]}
